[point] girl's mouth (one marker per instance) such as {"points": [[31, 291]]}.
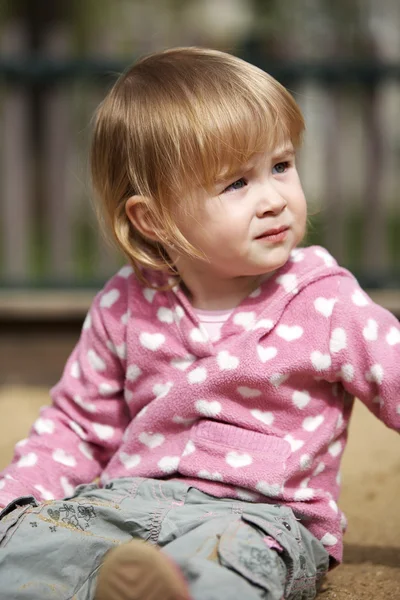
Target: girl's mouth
{"points": [[274, 235]]}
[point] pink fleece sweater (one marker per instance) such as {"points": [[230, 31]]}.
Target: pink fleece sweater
{"points": [[260, 414]]}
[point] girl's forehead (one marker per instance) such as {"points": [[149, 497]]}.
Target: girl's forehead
{"points": [[283, 150]]}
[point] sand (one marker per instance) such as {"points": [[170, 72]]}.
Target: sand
{"points": [[370, 496]]}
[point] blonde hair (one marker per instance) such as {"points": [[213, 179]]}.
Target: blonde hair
{"points": [[174, 121]]}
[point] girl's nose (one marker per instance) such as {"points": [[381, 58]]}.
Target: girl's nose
{"points": [[271, 202]]}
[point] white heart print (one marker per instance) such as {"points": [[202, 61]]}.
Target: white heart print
{"points": [[186, 422], [247, 392], [278, 378], [303, 494], [305, 462], [226, 361], [312, 423], [133, 372], [189, 448], [151, 341], [266, 324], [335, 448], [296, 255], [346, 372], [78, 430], [266, 354], [238, 459], [320, 361], [294, 444], [142, 412], [329, 539], [301, 399], [109, 298], [46, 494], [29, 460], [162, 389], [333, 506], [125, 271], [108, 389], [43, 426], [149, 294], [269, 489], [169, 464], [119, 350], [370, 332], [21, 443], [320, 468], [151, 440], [96, 361], [86, 450], [338, 340], [64, 458], [130, 461], [104, 432], [327, 258], [125, 317], [208, 408], [245, 495], [75, 370], [87, 322], [245, 319], [256, 293], [203, 474], [359, 299], [264, 417], [288, 282], [393, 337], [289, 333], [198, 375], [165, 315], [325, 306], [183, 363], [67, 486], [375, 374]]}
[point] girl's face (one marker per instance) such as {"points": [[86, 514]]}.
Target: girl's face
{"points": [[249, 226]]}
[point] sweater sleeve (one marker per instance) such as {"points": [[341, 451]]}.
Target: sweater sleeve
{"points": [[365, 351], [74, 438]]}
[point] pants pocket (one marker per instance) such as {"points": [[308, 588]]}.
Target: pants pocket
{"points": [[12, 516], [245, 549], [304, 557]]}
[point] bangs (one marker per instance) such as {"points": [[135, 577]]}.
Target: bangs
{"points": [[233, 132], [203, 114]]}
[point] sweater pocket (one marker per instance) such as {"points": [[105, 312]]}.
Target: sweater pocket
{"points": [[236, 456]]}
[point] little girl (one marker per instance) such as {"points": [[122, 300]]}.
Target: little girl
{"points": [[193, 446]]}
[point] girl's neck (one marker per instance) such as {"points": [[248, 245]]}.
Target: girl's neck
{"points": [[222, 294]]}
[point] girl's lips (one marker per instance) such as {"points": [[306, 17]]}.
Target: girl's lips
{"points": [[274, 235]]}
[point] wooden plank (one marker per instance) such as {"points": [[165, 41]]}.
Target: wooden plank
{"points": [[44, 305], [53, 305], [16, 181], [58, 150]]}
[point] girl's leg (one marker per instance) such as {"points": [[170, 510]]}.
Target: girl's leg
{"points": [[243, 550], [81, 547], [53, 550]]}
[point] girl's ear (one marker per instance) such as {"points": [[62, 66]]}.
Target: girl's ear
{"points": [[139, 212]]}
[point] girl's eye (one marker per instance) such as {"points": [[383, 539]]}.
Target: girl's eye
{"points": [[236, 185], [281, 167]]}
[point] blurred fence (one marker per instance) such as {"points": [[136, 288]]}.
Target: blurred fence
{"points": [[48, 234]]}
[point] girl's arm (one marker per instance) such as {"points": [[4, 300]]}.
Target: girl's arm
{"points": [[74, 438], [364, 346]]}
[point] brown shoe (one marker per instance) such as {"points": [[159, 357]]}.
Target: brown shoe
{"points": [[139, 571]]}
